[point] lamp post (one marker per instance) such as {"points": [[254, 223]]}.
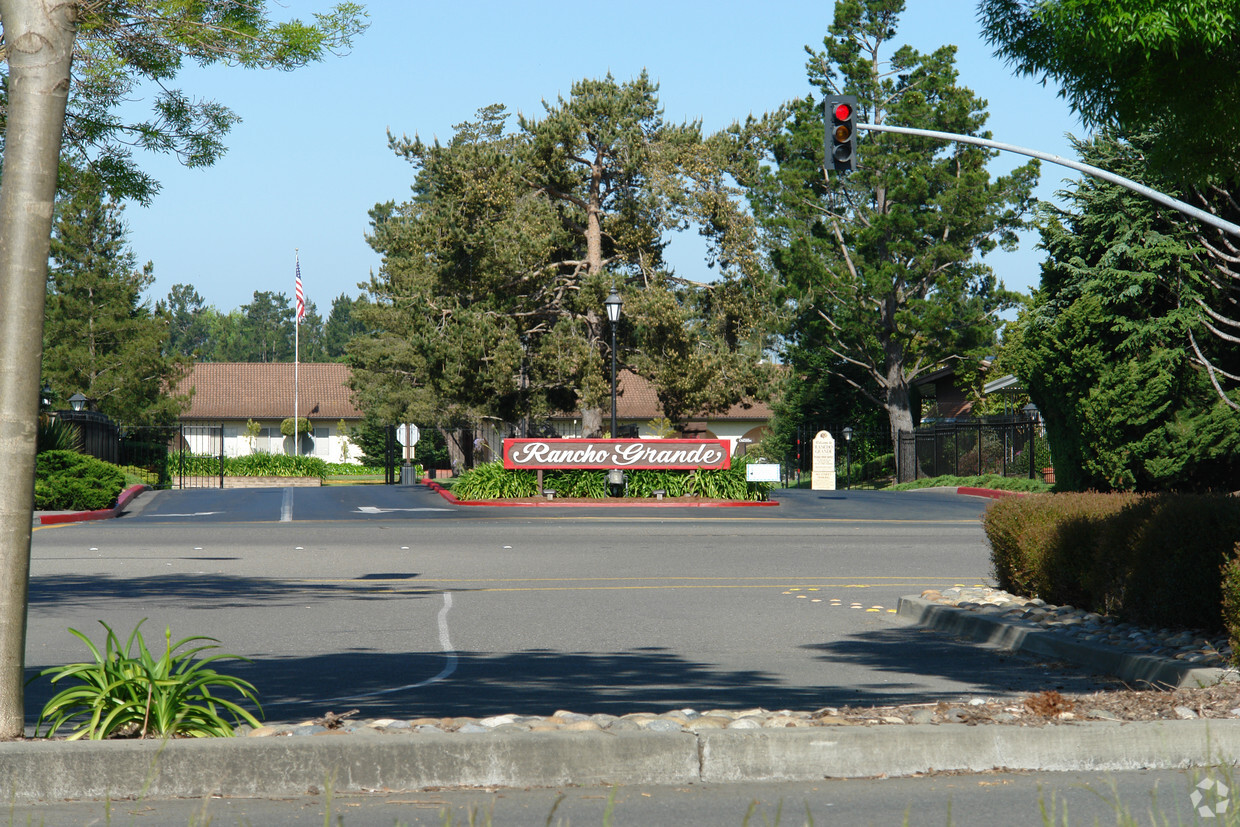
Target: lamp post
{"points": [[77, 401], [613, 305], [848, 432]]}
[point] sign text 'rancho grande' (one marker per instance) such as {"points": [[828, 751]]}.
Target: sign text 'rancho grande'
{"points": [[602, 454]]}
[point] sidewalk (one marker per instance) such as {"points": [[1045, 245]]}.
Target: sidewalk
{"points": [[272, 767]]}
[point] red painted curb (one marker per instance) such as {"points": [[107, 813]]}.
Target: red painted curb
{"points": [[450, 497], [102, 514], [993, 493]]}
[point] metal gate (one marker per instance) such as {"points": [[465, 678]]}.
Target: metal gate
{"points": [[177, 456]]}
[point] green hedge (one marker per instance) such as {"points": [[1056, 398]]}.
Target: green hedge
{"points": [[250, 465], [492, 481], [69, 481], [1156, 559]]}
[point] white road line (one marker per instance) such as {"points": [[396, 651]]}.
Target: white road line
{"points": [[286, 508], [449, 666]]}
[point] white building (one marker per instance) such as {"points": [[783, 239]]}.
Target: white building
{"points": [[235, 394]]}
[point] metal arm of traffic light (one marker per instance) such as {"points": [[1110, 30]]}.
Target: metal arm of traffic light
{"points": [[1141, 189]]}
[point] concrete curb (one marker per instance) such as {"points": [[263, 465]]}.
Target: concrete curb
{"points": [[102, 514], [611, 503], [273, 767], [1013, 637], [992, 493]]}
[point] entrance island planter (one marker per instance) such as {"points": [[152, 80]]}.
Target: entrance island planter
{"points": [[594, 472]]}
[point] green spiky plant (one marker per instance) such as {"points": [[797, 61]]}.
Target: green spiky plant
{"points": [[131, 693]]}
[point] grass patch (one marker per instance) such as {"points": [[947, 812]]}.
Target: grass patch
{"points": [[986, 481]]}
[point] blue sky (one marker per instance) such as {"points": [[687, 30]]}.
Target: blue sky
{"points": [[310, 157]]}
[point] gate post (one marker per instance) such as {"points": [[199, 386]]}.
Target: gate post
{"points": [[389, 455]]}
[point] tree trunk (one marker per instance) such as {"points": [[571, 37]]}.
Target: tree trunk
{"points": [[39, 38], [592, 422]]}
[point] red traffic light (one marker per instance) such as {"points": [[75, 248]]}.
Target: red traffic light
{"points": [[840, 114]]}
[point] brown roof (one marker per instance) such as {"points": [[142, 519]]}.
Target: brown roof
{"points": [[636, 399], [264, 390]]}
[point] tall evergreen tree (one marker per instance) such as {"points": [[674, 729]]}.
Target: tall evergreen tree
{"points": [[341, 326], [490, 297], [882, 265], [268, 327], [187, 320], [1105, 344], [101, 337], [1167, 71]]}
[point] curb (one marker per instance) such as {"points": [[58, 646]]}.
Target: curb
{"points": [[992, 493], [273, 767], [1014, 637], [102, 514], [609, 503]]}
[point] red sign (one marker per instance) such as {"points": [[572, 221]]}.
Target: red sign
{"points": [[603, 454]]}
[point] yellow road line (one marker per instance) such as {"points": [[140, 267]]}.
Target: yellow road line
{"points": [[810, 581]]}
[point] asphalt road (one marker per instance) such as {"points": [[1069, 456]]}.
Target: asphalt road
{"points": [[394, 602]]}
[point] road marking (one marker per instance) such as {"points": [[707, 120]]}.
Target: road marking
{"points": [[286, 508], [450, 661], [371, 509], [195, 514], [775, 581]]}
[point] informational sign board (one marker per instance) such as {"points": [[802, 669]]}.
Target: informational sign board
{"points": [[823, 477], [762, 472], [605, 454]]}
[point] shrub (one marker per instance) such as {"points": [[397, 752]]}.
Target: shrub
{"points": [[71, 481], [250, 465], [275, 465], [1151, 559], [55, 435], [643, 483], [491, 481], [353, 469], [727, 483], [1231, 602], [128, 693], [584, 484], [988, 481]]}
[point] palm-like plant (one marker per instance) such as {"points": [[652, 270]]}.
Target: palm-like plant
{"points": [[128, 693]]}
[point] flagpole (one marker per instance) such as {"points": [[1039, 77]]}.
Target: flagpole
{"points": [[297, 355]]}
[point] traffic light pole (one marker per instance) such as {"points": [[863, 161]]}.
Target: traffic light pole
{"points": [[1153, 194]]}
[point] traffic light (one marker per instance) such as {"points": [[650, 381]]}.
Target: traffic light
{"points": [[840, 117]]}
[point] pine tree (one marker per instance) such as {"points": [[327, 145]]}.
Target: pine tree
{"points": [[882, 266], [101, 338]]}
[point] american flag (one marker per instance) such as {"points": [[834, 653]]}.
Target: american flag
{"points": [[301, 296]]}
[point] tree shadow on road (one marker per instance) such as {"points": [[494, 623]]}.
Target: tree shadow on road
{"points": [[914, 653], [540, 682], [216, 591]]}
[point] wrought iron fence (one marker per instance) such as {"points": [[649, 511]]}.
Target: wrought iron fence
{"points": [[174, 456], [1010, 447], [97, 434], [866, 456]]}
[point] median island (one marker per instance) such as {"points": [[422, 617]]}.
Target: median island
{"points": [[672, 471]]}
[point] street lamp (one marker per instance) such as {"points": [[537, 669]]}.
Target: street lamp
{"points": [[848, 432], [613, 305], [77, 401]]}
